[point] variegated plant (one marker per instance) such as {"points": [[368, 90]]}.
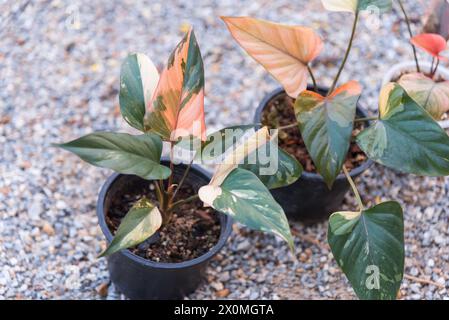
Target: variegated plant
{"points": [[368, 244], [169, 107], [425, 86]]}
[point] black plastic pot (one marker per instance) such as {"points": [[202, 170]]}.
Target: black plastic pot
{"points": [[139, 278], [309, 200]]}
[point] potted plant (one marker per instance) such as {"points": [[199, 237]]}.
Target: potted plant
{"points": [[367, 243], [165, 220], [287, 52], [427, 81]]}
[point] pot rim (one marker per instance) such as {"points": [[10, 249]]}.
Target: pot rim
{"points": [[226, 229], [309, 175], [411, 64]]}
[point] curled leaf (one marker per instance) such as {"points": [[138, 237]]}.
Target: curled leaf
{"points": [[240, 194], [284, 51], [238, 153]]}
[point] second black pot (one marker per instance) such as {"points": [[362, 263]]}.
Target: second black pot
{"points": [[309, 200], [139, 278]]}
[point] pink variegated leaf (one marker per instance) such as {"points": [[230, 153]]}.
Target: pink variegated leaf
{"points": [[177, 107], [432, 43], [283, 50]]}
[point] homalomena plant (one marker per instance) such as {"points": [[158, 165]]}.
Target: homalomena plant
{"points": [[368, 244], [169, 108], [424, 86]]}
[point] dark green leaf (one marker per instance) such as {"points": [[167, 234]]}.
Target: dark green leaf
{"points": [[141, 222], [243, 197], [369, 248], [405, 137], [121, 152], [326, 125]]}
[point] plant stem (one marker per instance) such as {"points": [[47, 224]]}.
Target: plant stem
{"points": [[289, 126], [158, 192], [184, 176], [163, 199], [172, 167], [411, 34], [178, 203], [436, 68], [315, 86], [354, 188], [365, 119], [354, 27], [432, 65]]}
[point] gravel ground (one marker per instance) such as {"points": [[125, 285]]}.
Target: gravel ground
{"points": [[59, 69]]}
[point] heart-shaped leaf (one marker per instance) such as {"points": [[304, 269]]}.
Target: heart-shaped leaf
{"points": [[357, 5], [438, 19], [432, 96], [122, 152], [406, 138], [326, 125], [283, 50], [369, 248], [177, 107], [140, 223], [245, 198], [432, 43], [138, 80], [274, 167]]}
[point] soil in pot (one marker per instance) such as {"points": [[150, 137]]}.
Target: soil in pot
{"points": [[280, 112], [192, 232]]}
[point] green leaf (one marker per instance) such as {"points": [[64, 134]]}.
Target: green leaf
{"points": [[220, 141], [243, 197], [406, 138], [216, 144], [273, 166], [138, 80], [122, 152], [141, 222], [432, 96], [326, 125], [357, 5], [381, 5], [369, 248]]}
